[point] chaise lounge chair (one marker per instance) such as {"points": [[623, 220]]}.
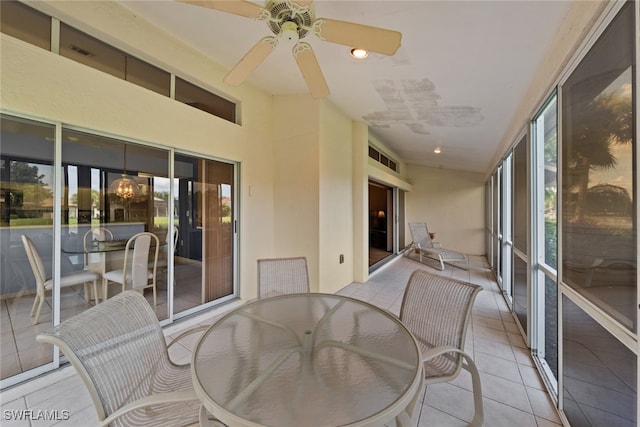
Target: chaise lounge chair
{"points": [[424, 246]]}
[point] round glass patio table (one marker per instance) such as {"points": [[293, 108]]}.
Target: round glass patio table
{"points": [[306, 360]]}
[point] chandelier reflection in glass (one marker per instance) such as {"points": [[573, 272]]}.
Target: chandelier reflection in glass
{"points": [[125, 187]]}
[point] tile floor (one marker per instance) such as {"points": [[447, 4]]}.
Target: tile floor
{"points": [[513, 392]]}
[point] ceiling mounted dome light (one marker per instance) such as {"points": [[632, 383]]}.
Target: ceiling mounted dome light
{"points": [[358, 53]]}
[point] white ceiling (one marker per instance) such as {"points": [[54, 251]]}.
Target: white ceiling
{"points": [[455, 82]]}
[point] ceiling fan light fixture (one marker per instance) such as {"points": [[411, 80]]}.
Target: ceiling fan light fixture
{"points": [[437, 150], [293, 20], [289, 31], [359, 53]]}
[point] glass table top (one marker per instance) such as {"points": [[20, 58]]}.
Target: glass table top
{"points": [[306, 360]]}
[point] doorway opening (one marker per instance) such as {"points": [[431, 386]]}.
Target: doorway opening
{"points": [[381, 230]]}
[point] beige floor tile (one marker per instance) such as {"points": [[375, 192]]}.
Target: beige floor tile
{"points": [[498, 367], [503, 351], [542, 405], [531, 377], [497, 414], [85, 417], [67, 395], [10, 365], [488, 322], [523, 356], [546, 423], [14, 414], [508, 392], [516, 340], [7, 344], [431, 417], [490, 334], [450, 399]]}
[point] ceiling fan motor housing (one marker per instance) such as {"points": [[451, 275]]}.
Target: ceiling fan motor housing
{"points": [[288, 18]]}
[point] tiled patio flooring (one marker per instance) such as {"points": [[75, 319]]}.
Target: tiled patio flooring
{"points": [[513, 393]]}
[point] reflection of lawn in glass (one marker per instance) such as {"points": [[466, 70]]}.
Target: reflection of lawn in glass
{"points": [[25, 222], [551, 242]]}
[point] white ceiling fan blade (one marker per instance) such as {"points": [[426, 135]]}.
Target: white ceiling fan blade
{"points": [[250, 61], [356, 35], [310, 69], [236, 7]]}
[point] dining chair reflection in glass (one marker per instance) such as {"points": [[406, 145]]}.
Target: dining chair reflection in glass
{"points": [[135, 273], [45, 283], [95, 234], [167, 251]]}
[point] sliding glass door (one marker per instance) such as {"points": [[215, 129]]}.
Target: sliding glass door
{"points": [[80, 208], [26, 209], [204, 195]]}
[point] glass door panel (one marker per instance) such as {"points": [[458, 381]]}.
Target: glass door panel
{"points": [[204, 202], [112, 190], [26, 209]]}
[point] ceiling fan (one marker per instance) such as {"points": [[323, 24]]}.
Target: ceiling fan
{"points": [[294, 20]]}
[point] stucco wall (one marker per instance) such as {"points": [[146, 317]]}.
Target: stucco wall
{"points": [[451, 203], [336, 199], [296, 186]]}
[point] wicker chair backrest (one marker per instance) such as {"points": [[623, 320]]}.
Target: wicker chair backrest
{"points": [[118, 348], [279, 276], [437, 310]]}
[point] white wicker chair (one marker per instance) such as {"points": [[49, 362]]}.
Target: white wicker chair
{"points": [[277, 276], [120, 353], [135, 273], [437, 310], [424, 245], [44, 283]]}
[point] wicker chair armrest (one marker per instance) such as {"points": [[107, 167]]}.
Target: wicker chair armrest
{"points": [[440, 350], [156, 399], [470, 366], [404, 420], [187, 333]]}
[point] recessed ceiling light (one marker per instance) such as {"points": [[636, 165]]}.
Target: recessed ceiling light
{"points": [[358, 53], [437, 150]]}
